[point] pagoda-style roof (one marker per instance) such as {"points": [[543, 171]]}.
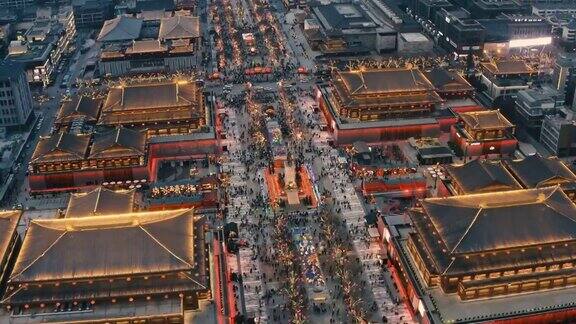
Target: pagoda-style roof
{"points": [[384, 87], [107, 246], [9, 220], [536, 171], [485, 119], [61, 147], [179, 27], [380, 81], [447, 81], [484, 232], [119, 142], [507, 67], [511, 229], [79, 107], [100, 202], [478, 176], [151, 102], [146, 46], [503, 220], [121, 28]]}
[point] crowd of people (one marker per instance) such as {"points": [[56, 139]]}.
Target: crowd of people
{"points": [[285, 292]]}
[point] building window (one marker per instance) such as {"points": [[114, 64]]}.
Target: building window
{"points": [[524, 271], [484, 292], [529, 286]]}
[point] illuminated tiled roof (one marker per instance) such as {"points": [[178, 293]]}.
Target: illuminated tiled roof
{"points": [[479, 176], [79, 106], [511, 219], [119, 142], [444, 80], [152, 102], [536, 171], [507, 67], [383, 81], [100, 202], [146, 46], [121, 28], [150, 96], [61, 147], [485, 119], [8, 223], [486, 232], [106, 246], [178, 27], [384, 87]]}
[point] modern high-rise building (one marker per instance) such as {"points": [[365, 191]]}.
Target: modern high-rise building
{"points": [[564, 75], [16, 4], [15, 97]]}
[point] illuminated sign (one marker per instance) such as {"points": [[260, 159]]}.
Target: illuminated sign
{"points": [[539, 41]]}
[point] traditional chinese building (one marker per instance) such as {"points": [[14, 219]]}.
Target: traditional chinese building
{"points": [[464, 251], [479, 176], [83, 109], [9, 243], [536, 171], [449, 84], [162, 108], [150, 44], [136, 126], [383, 94], [100, 202], [65, 161], [505, 78], [483, 133], [379, 104], [149, 267]]}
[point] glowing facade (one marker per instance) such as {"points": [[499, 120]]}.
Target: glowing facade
{"points": [[111, 269], [482, 133], [376, 105]]}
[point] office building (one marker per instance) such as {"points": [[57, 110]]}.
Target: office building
{"points": [[483, 9], [16, 4], [91, 13], [41, 48], [15, 99], [533, 105], [558, 136], [509, 33], [345, 29], [564, 76], [458, 32]]}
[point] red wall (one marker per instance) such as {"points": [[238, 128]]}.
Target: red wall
{"points": [[183, 148], [381, 134], [72, 180], [504, 146], [561, 316]]}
